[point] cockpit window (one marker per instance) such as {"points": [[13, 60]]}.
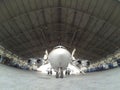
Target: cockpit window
{"points": [[59, 47]]}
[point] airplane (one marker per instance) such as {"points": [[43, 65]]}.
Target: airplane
{"points": [[59, 59]]}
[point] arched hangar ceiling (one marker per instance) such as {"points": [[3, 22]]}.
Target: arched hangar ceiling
{"points": [[28, 27]]}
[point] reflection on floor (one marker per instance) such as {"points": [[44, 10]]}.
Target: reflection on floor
{"points": [[16, 79]]}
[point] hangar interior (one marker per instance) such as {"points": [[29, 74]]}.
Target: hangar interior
{"points": [[29, 27]]}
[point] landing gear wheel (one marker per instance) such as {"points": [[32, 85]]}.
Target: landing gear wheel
{"points": [[57, 75], [61, 76], [65, 72], [48, 72], [68, 73], [51, 72]]}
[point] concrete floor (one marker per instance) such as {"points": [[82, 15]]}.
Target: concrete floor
{"points": [[16, 79]]}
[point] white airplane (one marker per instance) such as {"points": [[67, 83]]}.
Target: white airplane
{"points": [[59, 59]]}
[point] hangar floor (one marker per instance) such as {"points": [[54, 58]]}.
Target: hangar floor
{"points": [[16, 79]]}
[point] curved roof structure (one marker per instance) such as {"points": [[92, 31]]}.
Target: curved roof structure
{"points": [[28, 27]]}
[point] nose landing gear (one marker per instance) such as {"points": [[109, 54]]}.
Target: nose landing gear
{"points": [[59, 73]]}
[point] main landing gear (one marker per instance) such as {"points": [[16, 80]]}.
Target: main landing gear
{"points": [[49, 71]]}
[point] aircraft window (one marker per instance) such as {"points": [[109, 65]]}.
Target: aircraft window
{"points": [[59, 47]]}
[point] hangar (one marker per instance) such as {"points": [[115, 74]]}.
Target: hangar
{"points": [[29, 27]]}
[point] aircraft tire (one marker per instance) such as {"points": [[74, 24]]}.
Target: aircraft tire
{"points": [[48, 72], [65, 72], [57, 75], [51, 72], [61, 76], [68, 73]]}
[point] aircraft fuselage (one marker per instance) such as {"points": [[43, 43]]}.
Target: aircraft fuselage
{"points": [[59, 59]]}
